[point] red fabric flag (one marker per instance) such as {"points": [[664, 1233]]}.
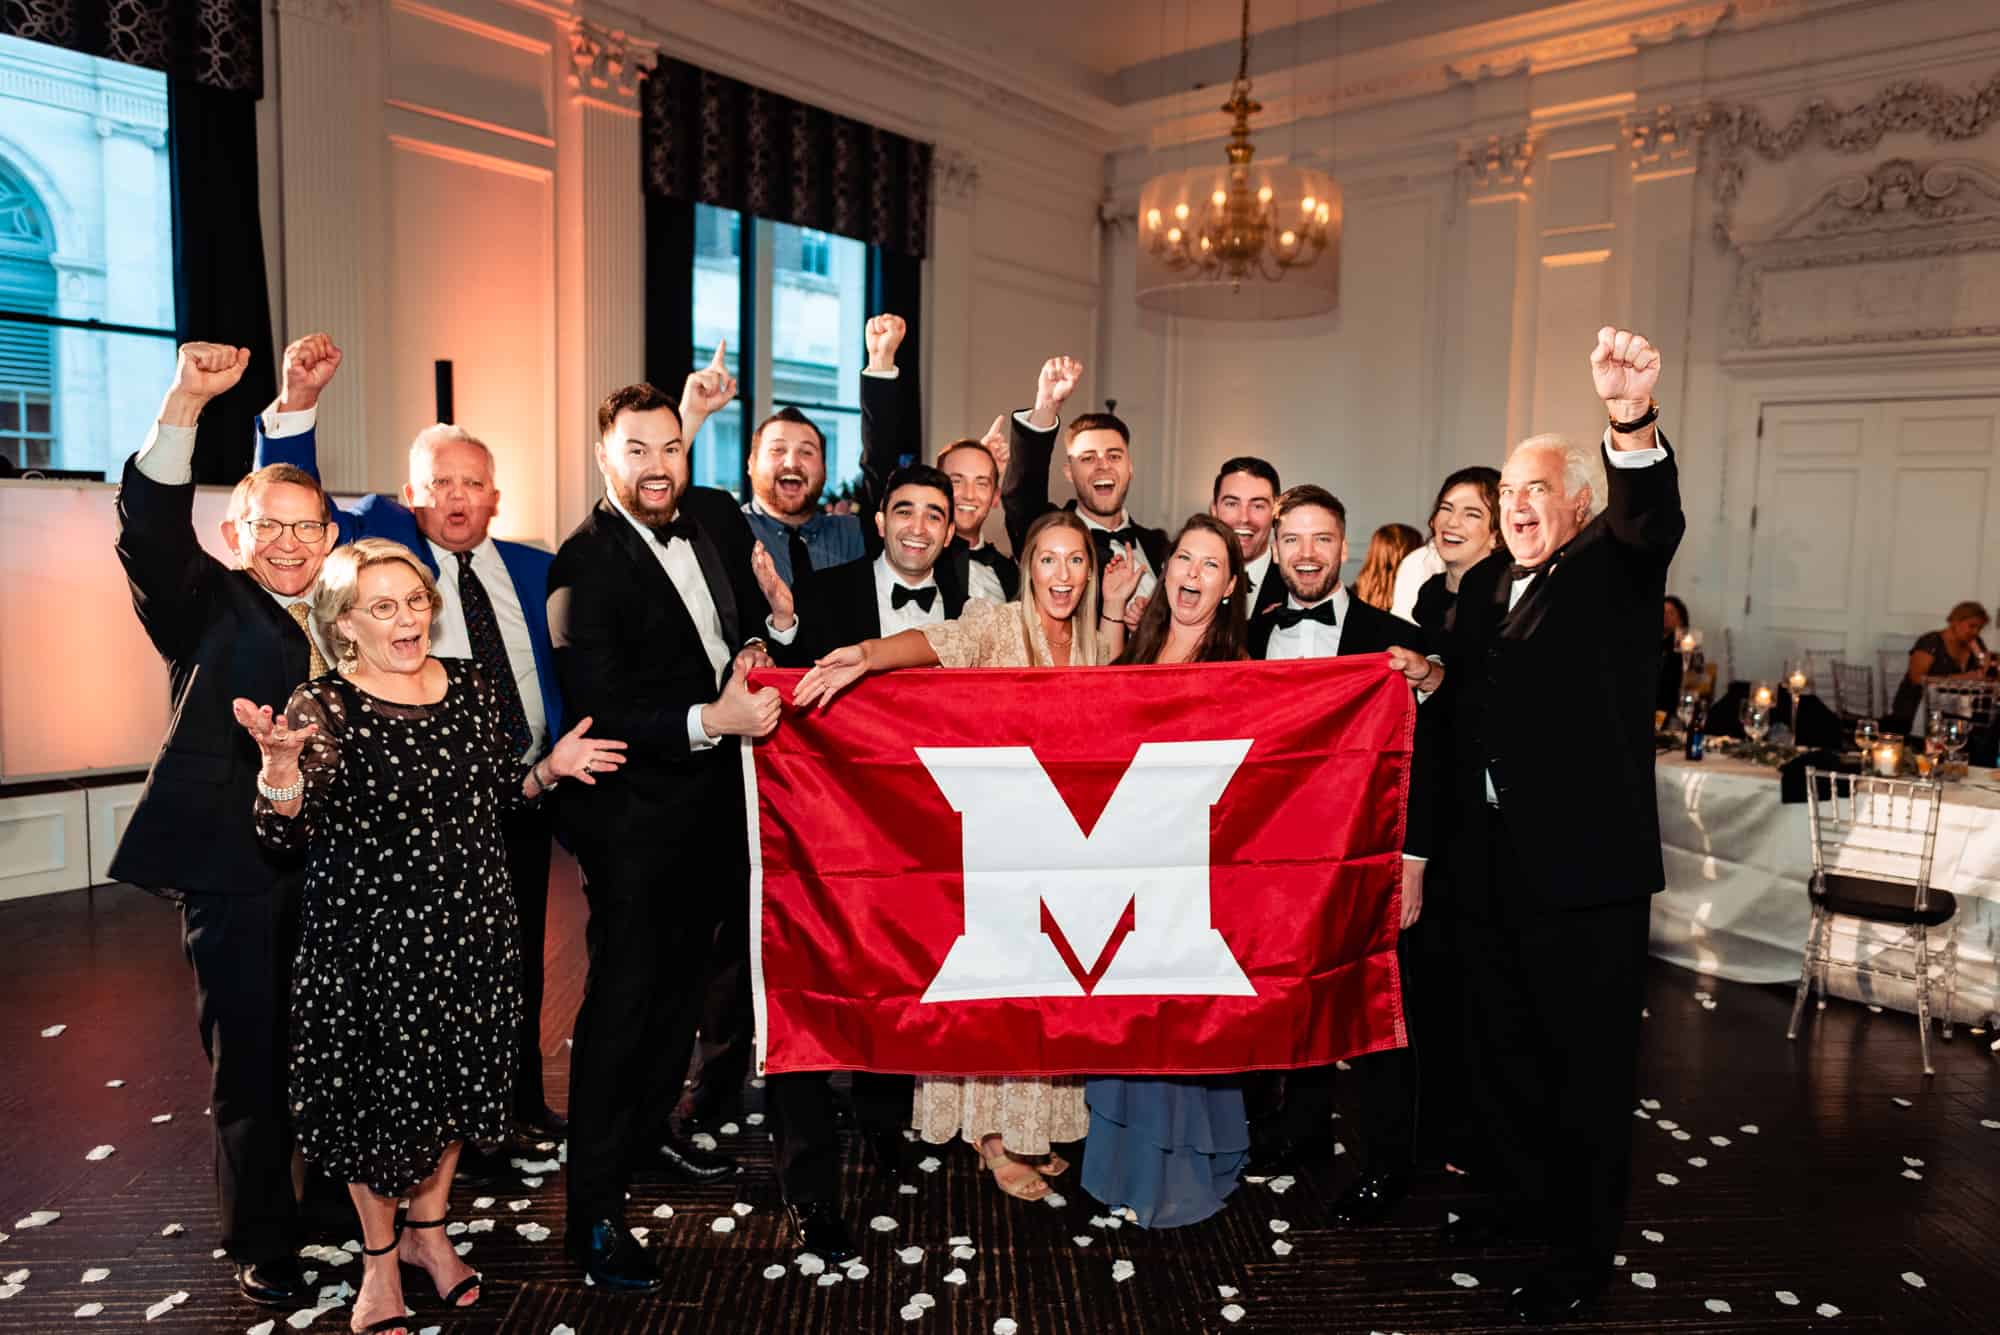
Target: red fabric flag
{"points": [[1116, 871]]}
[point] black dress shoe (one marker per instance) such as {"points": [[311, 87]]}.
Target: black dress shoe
{"points": [[1557, 1294], [689, 1162], [278, 1283], [818, 1228], [1370, 1198], [1477, 1226], [548, 1124], [1270, 1158], [484, 1167], [611, 1257], [886, 1147]]}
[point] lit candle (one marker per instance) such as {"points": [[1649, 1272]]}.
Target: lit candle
{"points": [[1763, 695], [1888, 759], [1687, 643], [1797, 681]]}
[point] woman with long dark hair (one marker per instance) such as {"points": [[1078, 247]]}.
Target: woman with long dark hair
{"points": [[1376, 584], [1169, 1150]]}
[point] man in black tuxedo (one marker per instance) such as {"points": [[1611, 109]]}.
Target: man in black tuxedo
{"points": [[919, 579], [1245, 497], [660, 604], [1315, 618], [1099, 463], [1557, 852], [226, 633], [975, 467]]}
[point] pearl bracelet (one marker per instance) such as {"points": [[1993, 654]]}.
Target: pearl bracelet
{"points": [[291, 794]]}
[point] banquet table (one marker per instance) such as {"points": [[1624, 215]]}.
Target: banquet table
{"points": [[1737, 863]]}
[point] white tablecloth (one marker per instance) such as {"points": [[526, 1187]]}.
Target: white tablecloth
{"points": [[1737, 862]]}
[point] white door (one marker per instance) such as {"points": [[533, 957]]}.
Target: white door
{"points": [[1872, 518]]}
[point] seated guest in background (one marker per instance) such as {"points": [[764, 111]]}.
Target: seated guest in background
{"points": [[1317, 619], [975, 468], [1556, 838], [1246, 489], [1465, 530], [392, 778], [493, 613], [788, 469], [226, 632], [1673, 624], [1955, 653], [660, 605], [1099, 463], [1056, 622], [1169, 1150], [1375, 585], [905, 587]]}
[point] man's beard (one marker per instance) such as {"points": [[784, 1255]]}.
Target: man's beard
{"points": [[1329, 579], [646, 512]]}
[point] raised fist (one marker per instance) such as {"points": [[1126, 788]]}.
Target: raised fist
{"points": [[309, 365], [709, 390], [1057, 382], [205, 370], [885, 335], [1625, 369]]}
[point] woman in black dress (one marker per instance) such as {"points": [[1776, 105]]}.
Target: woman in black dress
{"points": [[1955, 653], [391, 776]]}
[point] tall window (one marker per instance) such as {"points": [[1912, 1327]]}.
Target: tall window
{"points": [[791, 302], [86, 257]]}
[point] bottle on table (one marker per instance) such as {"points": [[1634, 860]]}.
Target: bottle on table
{"points": [[1697, 726]]}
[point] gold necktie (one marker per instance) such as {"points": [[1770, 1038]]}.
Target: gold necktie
{"points": [[300, 613]]}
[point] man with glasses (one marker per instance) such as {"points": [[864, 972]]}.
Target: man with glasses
{"points": [[226, 632], [494, 613]]}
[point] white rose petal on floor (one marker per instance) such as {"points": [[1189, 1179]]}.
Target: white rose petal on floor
{"points": [[1465, 1281]]}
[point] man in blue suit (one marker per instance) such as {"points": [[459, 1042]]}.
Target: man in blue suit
{"points": [[496, 595]]}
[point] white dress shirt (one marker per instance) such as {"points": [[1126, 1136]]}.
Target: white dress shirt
{"points": [[1149, 578], [1310, 639], [677, 558], [1515, 591], [909, 615], [1254, 571], [450, 639], [981, 582]]}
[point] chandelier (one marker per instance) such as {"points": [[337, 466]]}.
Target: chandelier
{"points": [[1207, 232]]}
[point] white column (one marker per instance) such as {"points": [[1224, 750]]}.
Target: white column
{"points": [[325, 190], [1495, 373], [948, 301], [600, 252]]}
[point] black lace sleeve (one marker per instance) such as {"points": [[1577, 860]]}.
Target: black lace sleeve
{"points": [[316, 702]]}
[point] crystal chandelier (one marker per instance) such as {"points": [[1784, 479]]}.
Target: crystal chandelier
{"points": [[1205, 233]]}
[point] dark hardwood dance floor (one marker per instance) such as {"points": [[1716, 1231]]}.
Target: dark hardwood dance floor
{"points": [[1862, 1187]]}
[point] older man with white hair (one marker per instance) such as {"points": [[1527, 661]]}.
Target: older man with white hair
{"points": [[494, 613], [1551, 656]]}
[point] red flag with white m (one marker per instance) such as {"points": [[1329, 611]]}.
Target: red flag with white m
{"points": [[1116, 871]]}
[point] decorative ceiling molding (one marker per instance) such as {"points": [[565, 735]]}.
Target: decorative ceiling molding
{"points": [[1908, 106], [954, 176], [1503, 162], [1895, 196], [605, 63]]}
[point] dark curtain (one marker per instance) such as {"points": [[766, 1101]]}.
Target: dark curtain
{"points": [[216, 43], [714, 140], [220, 295], [669, 291], [895, 287]]}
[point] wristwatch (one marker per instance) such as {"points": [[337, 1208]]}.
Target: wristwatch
{"points": [[1639, 423]]}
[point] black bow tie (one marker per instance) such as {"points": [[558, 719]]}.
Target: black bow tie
{"points": [[1289, 617], [1129, 535], [680, 526], [903, 595], [1517, 571]]}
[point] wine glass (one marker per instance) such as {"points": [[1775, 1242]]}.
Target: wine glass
{"points": [[1866, 731], [1935, 744], [1756, 720], [1956, 731]]}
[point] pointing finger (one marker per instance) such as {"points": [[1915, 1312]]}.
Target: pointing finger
{"points": [[721, 348]]}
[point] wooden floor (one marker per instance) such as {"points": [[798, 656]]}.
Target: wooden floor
{"points": [[1828, 1171]]}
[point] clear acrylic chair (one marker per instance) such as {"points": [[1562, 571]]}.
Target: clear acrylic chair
{"points": [[1892, 665], [1854, 690], [1819, 666], [1873, 840], [1975, 700]]}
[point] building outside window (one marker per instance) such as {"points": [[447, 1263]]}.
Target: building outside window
{"points": [[801, 296], [86, 257]]}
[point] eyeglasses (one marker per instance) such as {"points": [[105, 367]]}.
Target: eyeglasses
{"points": [[307, 531], [384, 609]]}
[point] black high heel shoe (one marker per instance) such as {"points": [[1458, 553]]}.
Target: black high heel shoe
{"points": [[472, 1281], [388, 1323]]}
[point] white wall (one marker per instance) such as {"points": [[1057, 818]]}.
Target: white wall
{"points": [[1470, 294]]}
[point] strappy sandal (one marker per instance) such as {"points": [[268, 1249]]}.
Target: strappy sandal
{"points": [[471, 1282], [1053, 1166], [1025, 1184], [388, 1323]]}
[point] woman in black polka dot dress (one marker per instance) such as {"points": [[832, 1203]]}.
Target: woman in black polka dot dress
{"points": [[391, 776]]}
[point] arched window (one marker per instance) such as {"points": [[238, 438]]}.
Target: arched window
{"points": [[27, 351]]}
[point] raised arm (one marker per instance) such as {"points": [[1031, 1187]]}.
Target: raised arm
{"points": [[706, 393], [171, 576], [843, 667], [301, 759], [1024, 487], [309, 367], [1643, 504], [886, 439]]}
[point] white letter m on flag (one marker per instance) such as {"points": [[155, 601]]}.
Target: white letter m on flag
{"points": [[1024, 849]]}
